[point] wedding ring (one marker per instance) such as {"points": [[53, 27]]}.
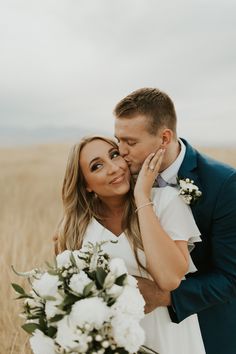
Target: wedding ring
{"points": [[151, 168]]}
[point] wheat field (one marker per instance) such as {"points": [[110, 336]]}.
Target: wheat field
{"points": [[30, 188]]}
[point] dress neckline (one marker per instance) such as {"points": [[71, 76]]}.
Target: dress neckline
{"points": [[103, 227]]}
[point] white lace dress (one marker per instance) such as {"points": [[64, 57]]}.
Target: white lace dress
{"points": [[176, 218]]}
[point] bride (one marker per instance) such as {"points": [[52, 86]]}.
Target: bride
{"points": [[153, 229]]}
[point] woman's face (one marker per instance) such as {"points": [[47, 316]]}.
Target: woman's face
{"points": [[106, 173]]}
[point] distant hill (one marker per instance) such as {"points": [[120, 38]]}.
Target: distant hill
{"points": [[13, 136]]}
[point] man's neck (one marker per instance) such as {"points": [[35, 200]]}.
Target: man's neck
{"points": [[171, 154]]}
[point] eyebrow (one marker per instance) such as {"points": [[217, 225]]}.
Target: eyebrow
{"points": [[97, 158], [126, 138]]}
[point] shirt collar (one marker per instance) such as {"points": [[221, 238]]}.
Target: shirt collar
{"points": [[171, 172]]}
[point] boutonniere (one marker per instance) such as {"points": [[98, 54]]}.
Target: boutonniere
{"points": [[188, 190]]}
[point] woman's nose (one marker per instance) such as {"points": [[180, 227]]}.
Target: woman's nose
{"points": [[112, 167]]}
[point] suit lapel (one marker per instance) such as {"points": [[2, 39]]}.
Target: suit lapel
{"points": [[188, 168]]}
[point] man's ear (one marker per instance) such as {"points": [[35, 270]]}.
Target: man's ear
{"points": [[166, 136]]}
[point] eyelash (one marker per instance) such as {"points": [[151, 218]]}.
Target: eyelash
{"points": [[96, 165], [131, 143]]}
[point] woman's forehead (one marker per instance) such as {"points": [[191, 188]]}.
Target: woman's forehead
{"points": [[95, 148]]}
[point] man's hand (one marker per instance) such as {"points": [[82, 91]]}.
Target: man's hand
{"points": [[153, 296]]}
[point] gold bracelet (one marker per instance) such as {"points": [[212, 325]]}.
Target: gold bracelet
{"points": [[143, 205]]}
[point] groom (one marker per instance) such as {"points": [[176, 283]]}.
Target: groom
{"points": [[145, 121]]}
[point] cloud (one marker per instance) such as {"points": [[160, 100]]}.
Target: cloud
{"points": [[68, 62]]}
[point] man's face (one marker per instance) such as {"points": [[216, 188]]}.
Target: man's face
{"points": [[135, 142]]}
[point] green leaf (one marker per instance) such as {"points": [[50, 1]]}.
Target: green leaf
{"points": [[18, 288], [56, 318], [120, 279], [52, 272], [51, 332], [25, 296], [87, 289], [49, 298], [42, 323], [100, 276], [72, 259], [30, 327]]}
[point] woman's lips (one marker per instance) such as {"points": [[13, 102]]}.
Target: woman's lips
{"points": [[118, 179]]}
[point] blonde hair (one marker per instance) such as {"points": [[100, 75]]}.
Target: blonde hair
{"points": [[80, 206]]}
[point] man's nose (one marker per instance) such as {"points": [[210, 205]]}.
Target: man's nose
{"points": [[123, 149]]}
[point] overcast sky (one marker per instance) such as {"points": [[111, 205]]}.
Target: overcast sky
{"points": [[67, 62]]}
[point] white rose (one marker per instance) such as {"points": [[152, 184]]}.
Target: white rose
{"points": [[127, 333], [130, 302], [79, 281], [117, 266], [91, 310], [47, 285], [115, 290], [63, 259], [42, 344], [80, 263], [131, 281], [51, 306], [66, 334]]}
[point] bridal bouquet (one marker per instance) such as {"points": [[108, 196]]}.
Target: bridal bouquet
{"points": [[85, 303]]}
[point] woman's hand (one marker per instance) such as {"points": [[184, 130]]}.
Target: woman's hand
{"points": [[147, 176]]}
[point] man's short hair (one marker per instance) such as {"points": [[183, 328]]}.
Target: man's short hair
{"points": [[154, 104]]}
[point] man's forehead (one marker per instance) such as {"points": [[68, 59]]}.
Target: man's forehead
{"points": [[130, 127]]}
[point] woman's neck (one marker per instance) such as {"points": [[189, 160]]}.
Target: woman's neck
{"points": [[113, 207]]}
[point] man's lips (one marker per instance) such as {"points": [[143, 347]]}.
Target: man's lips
{"points": [[117, 179]]}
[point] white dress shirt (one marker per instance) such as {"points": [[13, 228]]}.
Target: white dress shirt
{"points": [[170, 173]]}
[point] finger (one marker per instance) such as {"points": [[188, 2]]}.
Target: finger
{"points": [[157, 159], [148, 159], [159, 162]]}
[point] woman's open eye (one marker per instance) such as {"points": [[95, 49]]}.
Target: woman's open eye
{"points": [[114, 154], [95, 166]]}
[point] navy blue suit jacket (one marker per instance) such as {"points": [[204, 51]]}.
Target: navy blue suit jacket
{"points": [[211, 292]]}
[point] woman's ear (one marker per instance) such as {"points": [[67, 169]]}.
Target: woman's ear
{"points": [[88, 189]]}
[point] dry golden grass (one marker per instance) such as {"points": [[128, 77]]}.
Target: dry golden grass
{"points": [[30, 180]]}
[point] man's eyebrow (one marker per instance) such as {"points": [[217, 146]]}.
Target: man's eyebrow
{"points": [[126, 138], [98, 158]]}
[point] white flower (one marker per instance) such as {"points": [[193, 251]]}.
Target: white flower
{"points": [[63, 259], [130, 302], [109, 280], [117, 266], [92, 311], [80, 263], [33, 303], [66, 334], [131, 281], [47, 285], [79, 281], [42, 344], [128, 333], [51, 306], [189, 192], [115, 290]]}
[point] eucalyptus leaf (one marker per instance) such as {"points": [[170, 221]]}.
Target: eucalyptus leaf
{"points": [[100, 276], [30, 327], [87, 289], [51, 331], [18, 288], [120, 280]]}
